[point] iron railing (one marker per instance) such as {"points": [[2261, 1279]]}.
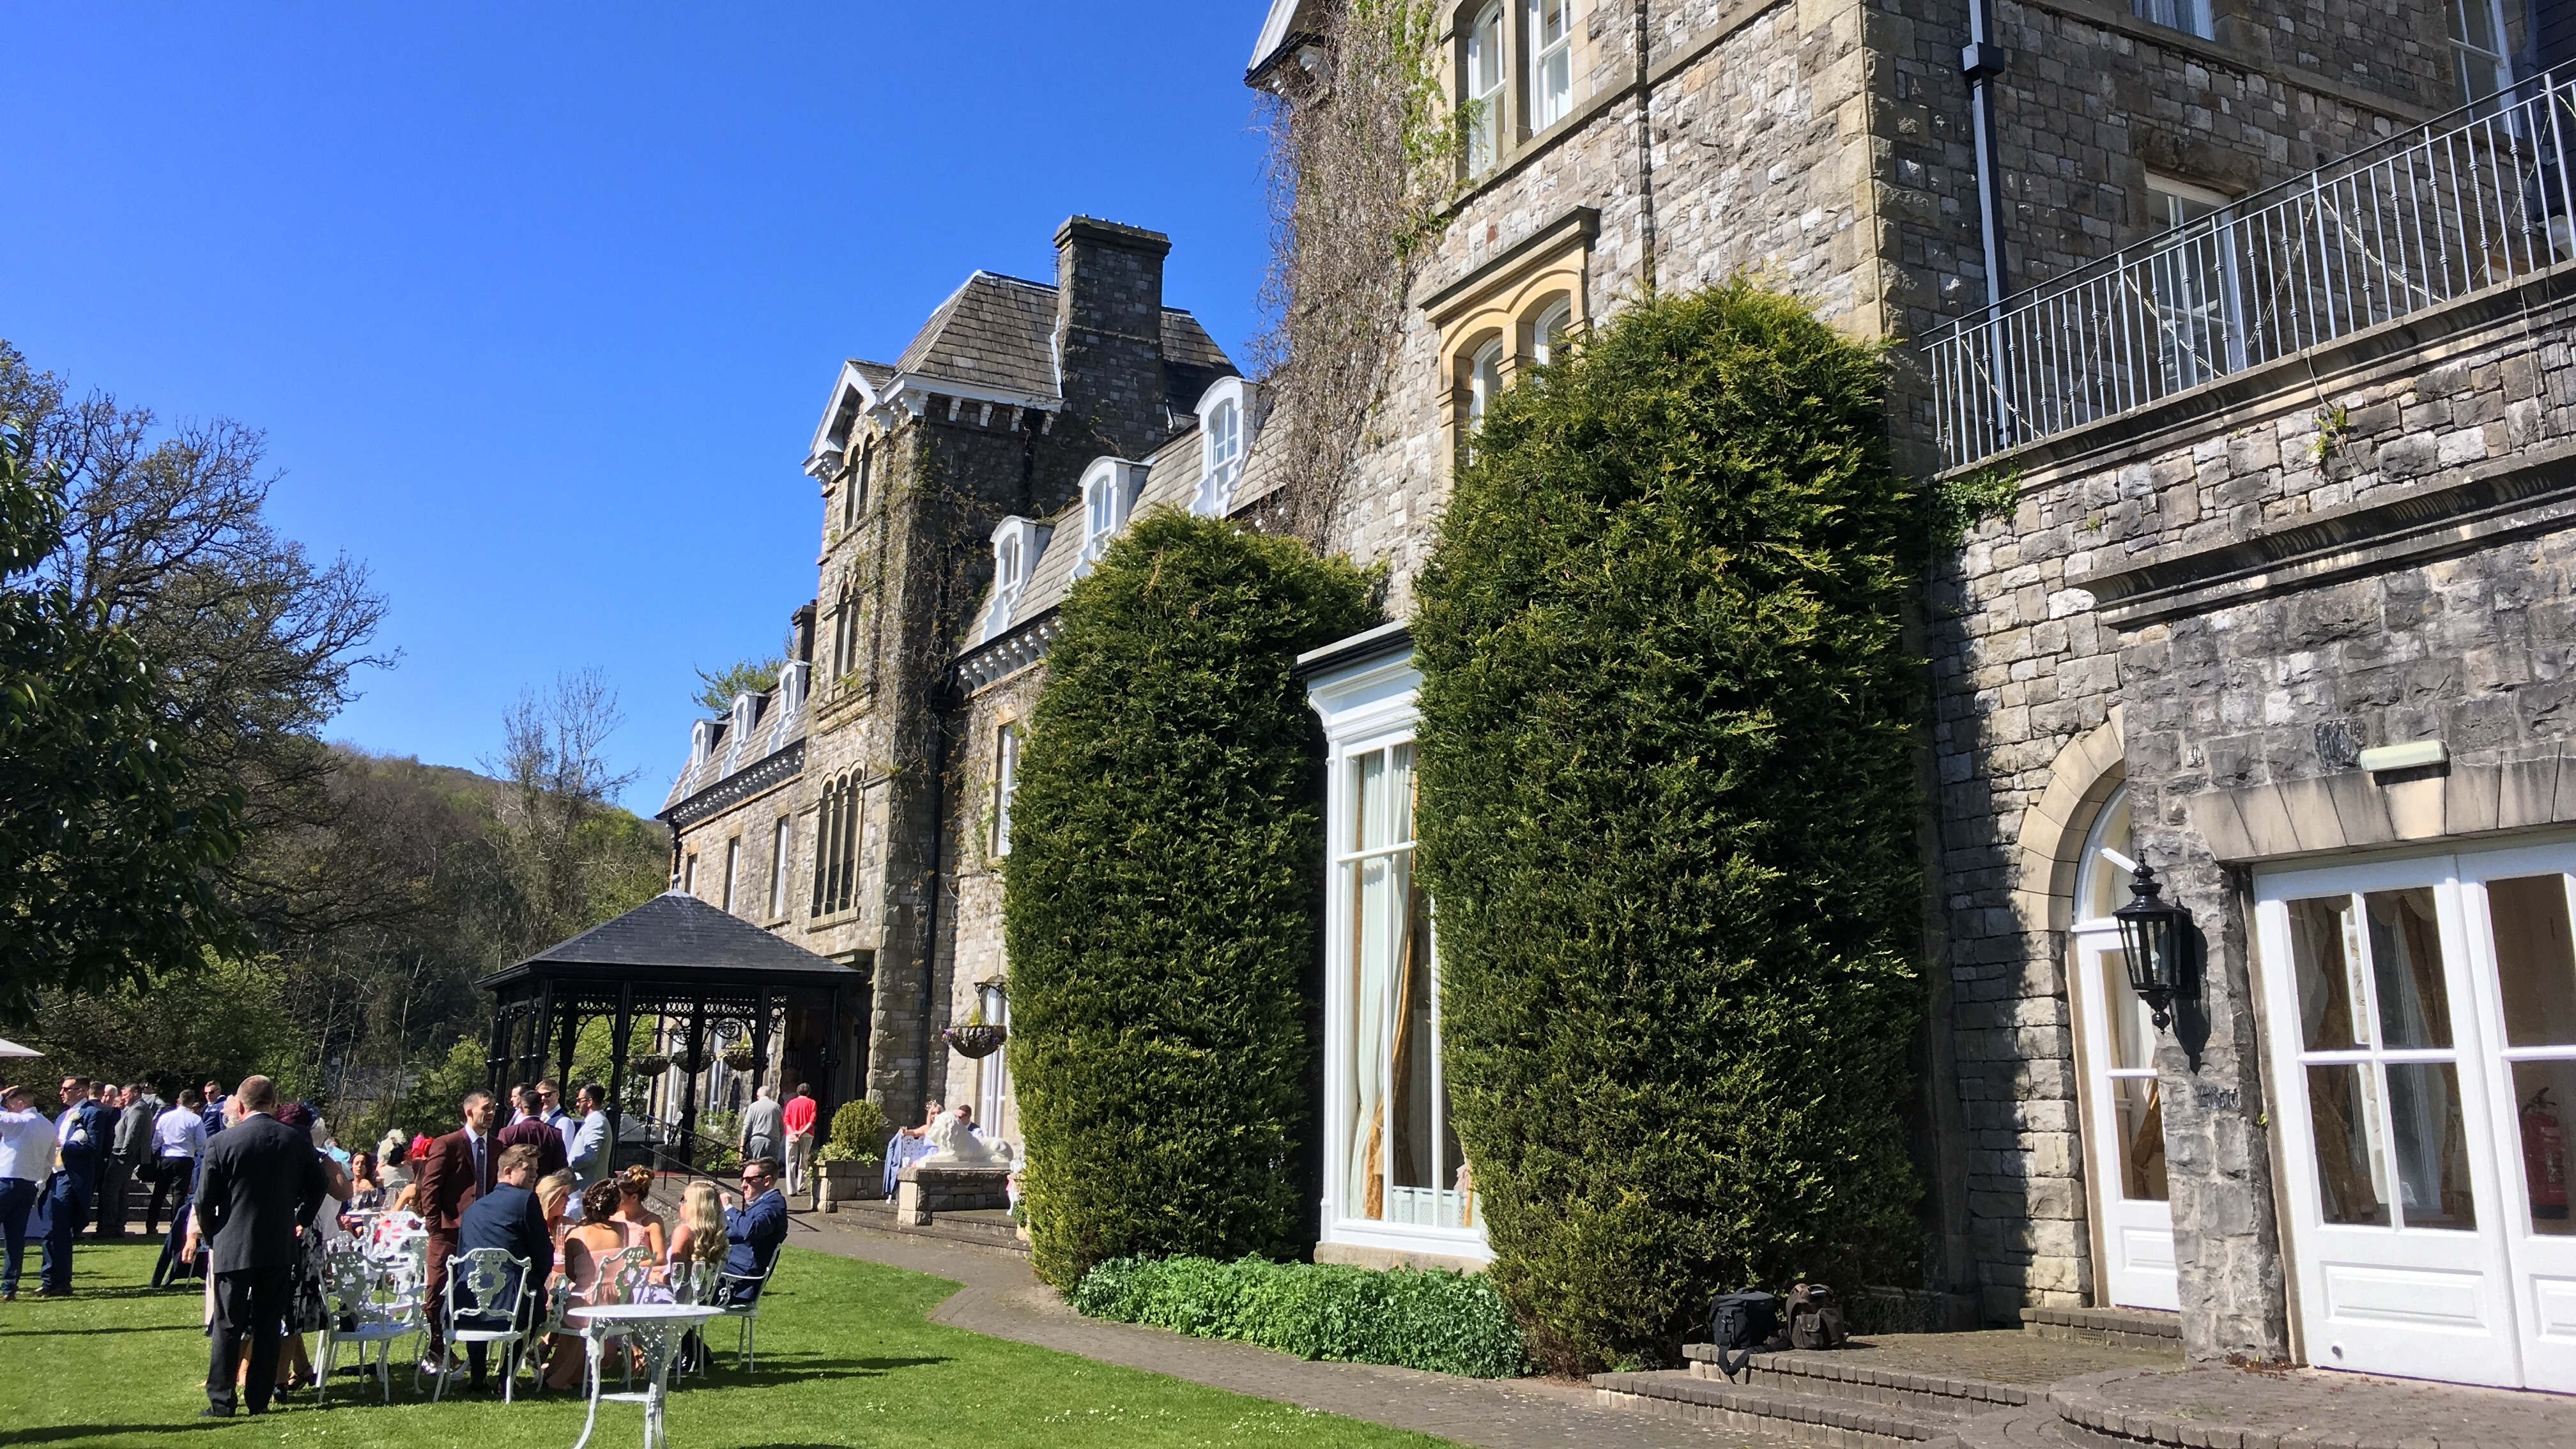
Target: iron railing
{"points": [[2471, 200]]}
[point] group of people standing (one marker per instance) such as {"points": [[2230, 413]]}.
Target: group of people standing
{"points": [[56, 1173]]}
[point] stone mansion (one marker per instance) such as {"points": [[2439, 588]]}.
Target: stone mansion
{"points": [[2249, 320]]}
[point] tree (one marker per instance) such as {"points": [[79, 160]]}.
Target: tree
{"points": [[573, 858], [108, 835], [1668, 815], [1160, 904], [743, 676]]}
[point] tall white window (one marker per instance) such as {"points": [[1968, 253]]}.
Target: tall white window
{"points": [[1547, 334], [733, 869], [2479, 48], [1404, 1165], [780, 843], [2189, 16], [1552, 61], [1225, 437], [1006, 779], [1103, 511], [993, 1073], [1485, 101], [689, 874], [2192, 285], [1484, 384]]}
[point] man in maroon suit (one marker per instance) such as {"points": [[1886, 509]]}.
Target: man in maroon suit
{"points": [[533, 1130], [457, 1169]]}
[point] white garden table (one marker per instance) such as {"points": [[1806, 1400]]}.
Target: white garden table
{"points": [[657, 1331]]}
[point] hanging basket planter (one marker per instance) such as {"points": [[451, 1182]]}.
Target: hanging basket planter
{"points": [[976, 1040], [740, 1057], [649, 1064]]}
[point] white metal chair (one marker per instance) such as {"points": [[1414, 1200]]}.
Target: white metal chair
{"points": [[746, 1309], [363, 1305], [623, 1275], [485, 1288]]}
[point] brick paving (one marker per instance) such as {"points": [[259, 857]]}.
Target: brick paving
{"points": [[2229, 1408], [1000, 1297]]}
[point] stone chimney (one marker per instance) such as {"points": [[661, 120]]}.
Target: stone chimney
{"points": [[1109, 331]]}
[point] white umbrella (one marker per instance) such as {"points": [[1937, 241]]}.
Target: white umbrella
{"points": [[12, 1049]]}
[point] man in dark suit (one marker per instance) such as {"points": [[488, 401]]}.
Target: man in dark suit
{"points": [[534, 1131], [755, 1229], [139, 1108], [509, 1218], [455, 1170], [261, 1186], [85, 1134]]}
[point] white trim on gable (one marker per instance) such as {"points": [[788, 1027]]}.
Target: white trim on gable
{"points": [[1275, 29], [1109, 489], [1219, 474]]}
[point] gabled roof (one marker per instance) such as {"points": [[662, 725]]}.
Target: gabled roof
{"points": [[677, 932], [995, 333], [1287, 19]]}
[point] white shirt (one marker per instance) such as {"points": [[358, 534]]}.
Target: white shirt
{"points": [[26, 1145], [179, 1132]]}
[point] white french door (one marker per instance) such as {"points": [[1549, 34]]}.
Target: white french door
{"points": [[2414, 1005], [2124, 1122]]}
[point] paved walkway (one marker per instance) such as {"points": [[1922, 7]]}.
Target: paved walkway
{"points": [[1003, 1299]]}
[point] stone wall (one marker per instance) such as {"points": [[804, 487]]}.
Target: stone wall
{"points": [[972, 948]]}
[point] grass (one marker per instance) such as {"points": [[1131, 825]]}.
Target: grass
{"points": [[847, 1359]]}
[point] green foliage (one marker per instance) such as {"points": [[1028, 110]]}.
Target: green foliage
{"points": [[1958, 504], [743, 676], [1668, 813], [859, 1132], [215, 1017], [108, 839], [1448, 1323], [1161, 907]]}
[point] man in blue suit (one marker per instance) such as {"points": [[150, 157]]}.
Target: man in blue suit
{"points": [[84, 1132], [755, 1229], [509, 1218]]}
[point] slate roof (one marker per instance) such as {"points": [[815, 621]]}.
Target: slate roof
{"points": [[998, 333], [772, 729], [676, 931]]}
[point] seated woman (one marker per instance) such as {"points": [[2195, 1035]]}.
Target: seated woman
{"points": [[585, 1249], [909, 1145], [698, 1249], [642, 1225], [366, 1190]]}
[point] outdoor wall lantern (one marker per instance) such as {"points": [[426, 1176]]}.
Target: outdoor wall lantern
{"points": [[2156, 934]]}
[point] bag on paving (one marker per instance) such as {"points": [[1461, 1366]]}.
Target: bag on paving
{"points": [[1742, 1324], [1815, 1320]]}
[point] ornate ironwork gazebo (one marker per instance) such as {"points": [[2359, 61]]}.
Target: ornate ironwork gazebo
{"points": [[692, 974]]}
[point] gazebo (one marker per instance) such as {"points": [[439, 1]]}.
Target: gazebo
{"points": [[691, 974]]}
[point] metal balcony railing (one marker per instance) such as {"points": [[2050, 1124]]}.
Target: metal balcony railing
{"points": [[2471, 200]]}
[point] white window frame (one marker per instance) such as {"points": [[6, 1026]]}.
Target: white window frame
{"points": [[2483, 69], [1554, 321], [1367, 706], [1551, 67], [1006, 781], [1225, 413], [733, 871], [1109, 488], [782, 845], [993, 1073], [1482, 35]]}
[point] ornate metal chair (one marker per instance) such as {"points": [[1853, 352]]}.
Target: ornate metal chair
{"points": [[742, 1293], [364, 1305], [485, 1290]]}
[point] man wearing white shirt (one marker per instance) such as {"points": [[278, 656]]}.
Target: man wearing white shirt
{"points": [[550, 1106], [589, 1147], [26, 1160], [179, 1141]]}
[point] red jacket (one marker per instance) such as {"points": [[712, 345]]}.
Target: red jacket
{"points": [[448, 1184]]}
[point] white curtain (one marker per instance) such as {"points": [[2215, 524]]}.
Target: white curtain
{"points": [[1382, 887]]}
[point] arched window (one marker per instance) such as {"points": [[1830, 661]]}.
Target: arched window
{"points": [[1551, 44], [836, 846], [2101, 883], [1006, 561], [1484, 383], [1547, 333], [1224, 437], [845, 636], [1484, 85]]}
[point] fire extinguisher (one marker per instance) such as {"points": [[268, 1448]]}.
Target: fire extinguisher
{"points": [[2544, 1156]]}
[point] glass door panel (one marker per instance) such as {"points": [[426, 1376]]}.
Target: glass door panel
{"points": [[2125, 1127]]}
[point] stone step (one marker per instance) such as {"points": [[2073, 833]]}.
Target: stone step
{"points": [[1856, 1376], [1816, 1419], [2034, 1426], [2144, 1328]]}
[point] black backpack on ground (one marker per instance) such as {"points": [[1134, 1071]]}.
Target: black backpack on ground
{"points": [[1815, 1320], [1742, 1324]]}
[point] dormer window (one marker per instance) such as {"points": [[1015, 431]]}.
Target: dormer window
{"points": [[1108, 493], [1551, 62], [1006, 562], [1226, 417], [1224, 436], [1018, 543], [1484, 78]]}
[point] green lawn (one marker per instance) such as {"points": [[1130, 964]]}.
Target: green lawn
{"points": [[847, 1358]]}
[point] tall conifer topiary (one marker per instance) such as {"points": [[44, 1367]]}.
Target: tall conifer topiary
{"points": [[1162, 902], [1668, 813]]}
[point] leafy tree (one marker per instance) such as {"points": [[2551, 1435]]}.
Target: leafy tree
{"points": [[108, 837], [1160, 902], [217, 1018], [743, 676], [1668, 814]]}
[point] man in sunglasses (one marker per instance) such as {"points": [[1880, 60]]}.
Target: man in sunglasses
{"points": [[755, 1228]]}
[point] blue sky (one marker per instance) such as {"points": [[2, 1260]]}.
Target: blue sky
{"points": [[538, 304]]}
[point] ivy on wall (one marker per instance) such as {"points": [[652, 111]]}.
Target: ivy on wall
{"points": [[1668, 811], [1161, 899]]}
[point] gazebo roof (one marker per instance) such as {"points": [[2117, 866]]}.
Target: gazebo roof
{"points": [[675, 938]]}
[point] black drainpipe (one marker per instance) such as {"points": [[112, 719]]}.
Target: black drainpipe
{"points": [[1981, 61], [1646, 140], [939, 701]]}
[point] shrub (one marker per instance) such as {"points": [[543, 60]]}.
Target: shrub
{"points": [[1668, 812], [859, 1132], [1449, 1323], [1161, 903]]}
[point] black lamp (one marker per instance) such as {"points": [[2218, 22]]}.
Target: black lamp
{"points": [[2154, 932]]}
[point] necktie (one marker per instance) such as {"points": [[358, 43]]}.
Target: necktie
{"points": [[482, 1167]]}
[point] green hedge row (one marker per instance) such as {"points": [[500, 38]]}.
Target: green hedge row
{"points": [[1451, 1323], [1668, 810], [1161, 899]]}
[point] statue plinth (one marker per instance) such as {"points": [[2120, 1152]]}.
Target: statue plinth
{"points": [[948, 1187]]}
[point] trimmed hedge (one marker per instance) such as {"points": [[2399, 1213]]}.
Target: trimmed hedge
{"points": [[1449, 1323], [1668, 811], [1162, 899]]}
